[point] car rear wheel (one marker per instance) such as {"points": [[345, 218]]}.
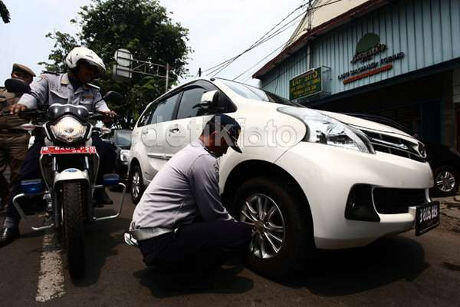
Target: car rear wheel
{"points": [[445, 181], [136, 183], [282, 225]]}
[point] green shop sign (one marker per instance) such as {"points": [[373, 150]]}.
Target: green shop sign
{"points": [[306, 84]]}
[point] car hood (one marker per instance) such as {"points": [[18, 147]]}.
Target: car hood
{"points": [[365, 124]]}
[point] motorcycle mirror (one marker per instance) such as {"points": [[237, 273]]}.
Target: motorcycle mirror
{"points": [[17, 86], [113, 97]]}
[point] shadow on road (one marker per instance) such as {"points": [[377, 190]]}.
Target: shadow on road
{"points": [[101, 240], [335, 273], [222, 281]]}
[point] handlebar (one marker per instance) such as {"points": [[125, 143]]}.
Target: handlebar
{"points": [[26, 114]]}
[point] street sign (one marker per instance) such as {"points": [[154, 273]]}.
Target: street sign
{"points": [[122, 70], [123, 57], [126, 66], [306, 84], [121, 73]]}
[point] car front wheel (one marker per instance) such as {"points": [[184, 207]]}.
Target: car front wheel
{"points": [[281, 223], [136, 183], [445, 181]]}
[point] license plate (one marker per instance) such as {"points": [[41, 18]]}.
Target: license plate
{"points": [[56, 150], [426, 218]]}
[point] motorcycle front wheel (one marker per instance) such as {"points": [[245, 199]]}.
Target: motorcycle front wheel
{"points": [[72, 202]]}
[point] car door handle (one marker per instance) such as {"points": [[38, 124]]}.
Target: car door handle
{"points": [[174, 130]]}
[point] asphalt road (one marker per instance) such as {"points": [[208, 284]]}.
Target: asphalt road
{"points": [[403, 270]]}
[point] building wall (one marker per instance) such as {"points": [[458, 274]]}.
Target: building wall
{"points": [[427, 31]]}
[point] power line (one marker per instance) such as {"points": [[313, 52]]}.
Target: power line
{"points": [[214, 70], [244, 72], [278, 31], [263, 36]]}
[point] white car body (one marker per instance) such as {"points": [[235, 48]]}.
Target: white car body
{"points": [[324, 173]]}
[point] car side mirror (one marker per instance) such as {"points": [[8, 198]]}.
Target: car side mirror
{"points": [[17, 86], [208, 99], [113, 97]]}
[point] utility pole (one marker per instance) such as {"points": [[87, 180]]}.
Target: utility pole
{"points": [[167, 76]]}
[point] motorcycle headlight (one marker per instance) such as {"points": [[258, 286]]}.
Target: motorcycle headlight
{"points": [[68, 129], [326, 130]]}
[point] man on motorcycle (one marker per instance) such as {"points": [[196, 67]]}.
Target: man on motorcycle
{"points": [[13, 140], [73, 87]]}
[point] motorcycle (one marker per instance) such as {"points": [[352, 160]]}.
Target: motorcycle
{"points": [[69, 165]]}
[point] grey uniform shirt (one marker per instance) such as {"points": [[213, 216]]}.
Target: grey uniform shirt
{"points": [[49, 89], [186, 187]]}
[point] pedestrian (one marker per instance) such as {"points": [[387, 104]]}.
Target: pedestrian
{"points": [[13, 140], [73, 87], [180, 222]]}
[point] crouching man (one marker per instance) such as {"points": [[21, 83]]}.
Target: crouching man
{"points": [[180, 222]]}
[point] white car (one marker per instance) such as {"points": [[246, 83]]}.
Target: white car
{"points": [[306, 179]]}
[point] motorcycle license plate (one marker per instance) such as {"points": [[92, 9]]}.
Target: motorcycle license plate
{"points": [[56, 150], [426, 218]]}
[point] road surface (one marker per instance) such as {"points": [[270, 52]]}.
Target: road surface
{"points": [[404, 270]]}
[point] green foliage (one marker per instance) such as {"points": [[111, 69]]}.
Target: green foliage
{"points": [[4, 13], [141, 26], [63, 44]]}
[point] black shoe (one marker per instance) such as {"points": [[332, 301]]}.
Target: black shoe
{"points": [[8, 235], [101, 197]]}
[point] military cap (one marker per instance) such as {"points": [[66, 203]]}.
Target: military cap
{"points": [[23, 68]]}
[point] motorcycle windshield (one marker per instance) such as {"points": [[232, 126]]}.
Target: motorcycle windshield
{"points": [[58, 110]]}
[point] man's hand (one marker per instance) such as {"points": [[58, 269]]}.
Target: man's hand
{"points": [[109, 117], [17, 108], [110, 114]]}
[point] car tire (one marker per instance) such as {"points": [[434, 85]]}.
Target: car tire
{"points": [[136, 184], [297, 245], [446, 181]]}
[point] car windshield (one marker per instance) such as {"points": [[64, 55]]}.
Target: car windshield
{"points": [[122, 138], [251, 92]]}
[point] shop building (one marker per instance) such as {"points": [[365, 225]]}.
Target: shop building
{"points": [[398, 59]]}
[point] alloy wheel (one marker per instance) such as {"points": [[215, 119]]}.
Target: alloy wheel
{"points": [[268, 235], [445, 181], [135, 184]]}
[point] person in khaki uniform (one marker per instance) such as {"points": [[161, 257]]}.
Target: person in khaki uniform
{"points": [[13, 140]]}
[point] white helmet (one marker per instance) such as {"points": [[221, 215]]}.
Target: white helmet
{"points": [[88, 55]]}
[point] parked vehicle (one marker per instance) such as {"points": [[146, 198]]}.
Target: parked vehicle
{"points": [[306, 179], [68, 166], [445, 163], [121, 139]]}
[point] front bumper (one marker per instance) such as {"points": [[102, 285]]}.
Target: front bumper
{"points": [[327, 174]]}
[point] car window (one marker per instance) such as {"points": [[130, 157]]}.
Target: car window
{"points": [[190, 99], [164, 110], [145, 117]]}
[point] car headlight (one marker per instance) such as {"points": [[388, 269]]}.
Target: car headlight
{"points": [[68, 129], [326, 130], [124, 155]]}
